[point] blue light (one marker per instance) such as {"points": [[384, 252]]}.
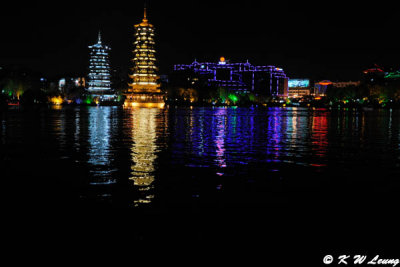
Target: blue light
{"points": [[99, 76], [299, 83]]}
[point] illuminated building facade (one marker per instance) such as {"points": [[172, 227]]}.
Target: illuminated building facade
{"points": [[346, 84], [145, 87], [235, 77], [99, 78], [321, 87], [299, 88], [395, 75], [66, 85], [375, 75]]}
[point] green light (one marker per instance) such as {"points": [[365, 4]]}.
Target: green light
{"points": [[88, 100], [233, 98], [393, 75]]}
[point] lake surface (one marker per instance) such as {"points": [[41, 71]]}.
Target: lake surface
{"points": [[289, 184], [206, 174], [199, 157]]}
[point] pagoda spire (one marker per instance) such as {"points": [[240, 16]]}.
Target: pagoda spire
{"points": [[145, 12], [99, 38]]}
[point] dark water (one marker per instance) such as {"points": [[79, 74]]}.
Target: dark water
{"points": [[202, 161]]}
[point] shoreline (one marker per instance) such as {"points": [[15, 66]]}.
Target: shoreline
{"points": [[183, 105]]}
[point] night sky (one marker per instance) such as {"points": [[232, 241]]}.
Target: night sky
{"points": [[316, 40]]}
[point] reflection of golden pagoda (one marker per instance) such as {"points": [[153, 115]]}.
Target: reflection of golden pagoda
{"points": [[144, 152], [145, 87]]}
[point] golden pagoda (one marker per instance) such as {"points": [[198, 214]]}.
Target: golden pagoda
{"points": [[145, 87]]}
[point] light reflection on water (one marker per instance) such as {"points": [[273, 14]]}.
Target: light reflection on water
{"points": [[220, 122], [144, 150], [111, 149], [99, 145], [224, 137]]}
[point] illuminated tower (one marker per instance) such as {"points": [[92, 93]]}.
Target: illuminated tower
{"points": [[145, 87], [99, 78]]}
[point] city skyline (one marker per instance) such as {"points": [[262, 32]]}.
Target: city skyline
{"points": [[308, 41], [248, 124]]}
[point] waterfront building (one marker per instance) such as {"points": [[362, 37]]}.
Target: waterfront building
{"points": [[321, 87], [235, 77], [392, 79], [99, 77], [299, 88], [145, 86], [374, 75], [345, 84], [394, 75], [68, 85]]}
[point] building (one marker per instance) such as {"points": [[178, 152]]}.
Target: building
{"points": [[392, 80], [69, 85], [320, 88], [375, 75], [395, 75], [235, 77], [99, 78], [145, 87], [299, 88], [345, 84]]}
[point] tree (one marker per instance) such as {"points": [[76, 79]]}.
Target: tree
{"points": [[14, 88]]}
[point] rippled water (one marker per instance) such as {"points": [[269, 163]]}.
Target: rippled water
{"points": [[198, 157]]}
